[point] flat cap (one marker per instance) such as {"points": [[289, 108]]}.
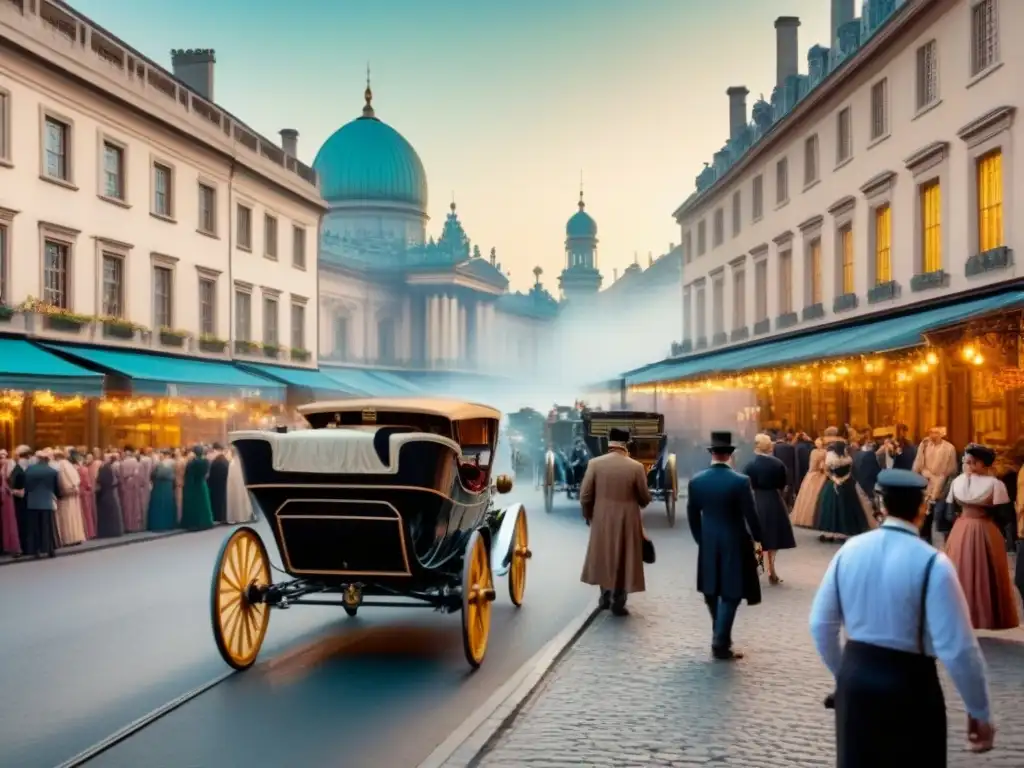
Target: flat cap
{"points": [[901, 479]]}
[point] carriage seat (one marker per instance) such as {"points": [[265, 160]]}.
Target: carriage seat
{"points": [[473, 478], [382, 441]]}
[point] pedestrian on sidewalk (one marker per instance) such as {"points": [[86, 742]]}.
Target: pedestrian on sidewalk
{"points": [[723, 519], [902, 607], [613, 492], [42, 489], [769, 479]]}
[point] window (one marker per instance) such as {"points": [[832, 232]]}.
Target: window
{"points": [[688, 247], [984, 36], [57, 149], [814, 272], [243, 227], [702, 319], [927, 74], [5, 125], [757, 206], [782, 181], [702, 238], [847, 274], [785, 282], [270, 237], [298, 326], [207, 209], [761, 291], [113, 285], [880, 109], [719, 231], [739, 300], [162, 183], [56, 264], [243, 316], [718, 298], [687, 315], [270, 320], [163, 297], [990, 201], [931, 227], [736, 212], [386, 340], [5, 288], [299, 247], [341, 338], [811, 160], [844, 136], [113, 171], [883, 244], [207, 306]]}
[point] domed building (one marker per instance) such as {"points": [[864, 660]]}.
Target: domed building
{"points": [[580, 278]]}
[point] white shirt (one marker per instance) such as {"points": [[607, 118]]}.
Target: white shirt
{"points": [[881, 574]]}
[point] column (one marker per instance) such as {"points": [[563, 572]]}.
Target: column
{"points": [[463, 334], [433, 323], [453, 329], [483, 336], [442, 328]]}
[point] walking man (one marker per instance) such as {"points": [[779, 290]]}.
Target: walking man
{"points": [[42, 489], [902, 606], [613, 492], [724, 523]]}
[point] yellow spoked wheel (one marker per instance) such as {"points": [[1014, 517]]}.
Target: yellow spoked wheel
{"points": [[240, 623], [517, 564], [477, 596], [549, 481], [672, 489]]}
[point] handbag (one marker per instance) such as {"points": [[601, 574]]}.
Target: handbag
{"points": [[648, 551]]}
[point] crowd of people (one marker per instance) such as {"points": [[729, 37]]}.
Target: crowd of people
{"points": [[63, 497]]}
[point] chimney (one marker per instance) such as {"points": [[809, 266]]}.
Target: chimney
{"points": [[786, 55], [842, 13], [737, 110], [615, 274], [194, 67], [290, 141]]}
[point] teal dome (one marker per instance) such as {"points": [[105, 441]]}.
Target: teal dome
{"points": [[367, 159], [581, 223]]}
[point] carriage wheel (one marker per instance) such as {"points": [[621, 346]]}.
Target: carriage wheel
{"points": [[672, 489], [240, 624], [520, 554], [549, 481], [477, 595]]}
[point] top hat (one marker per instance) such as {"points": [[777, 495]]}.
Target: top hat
{"points": [[721, 441], [618, 435]]}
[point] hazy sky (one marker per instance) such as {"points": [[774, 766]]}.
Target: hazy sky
{"points": [[506, 101]]}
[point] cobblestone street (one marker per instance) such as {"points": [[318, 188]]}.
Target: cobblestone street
{"points": [[643, 691]]}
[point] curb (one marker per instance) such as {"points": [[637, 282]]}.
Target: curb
{"points": [[114, 543], [475, 735]]}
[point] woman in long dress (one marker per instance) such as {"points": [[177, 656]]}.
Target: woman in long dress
{"points": [[976, 545], [239, 504], [805, 508], [163, 511], [843, 508], [179, 479], [87, 495], [196, 512], [10, 543], [70, 525], [768, 478], [109, 518]]}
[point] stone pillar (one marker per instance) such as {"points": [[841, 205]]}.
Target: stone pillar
{"points": [[463, 335], [433, 329], [442, 329], [453, 329]]}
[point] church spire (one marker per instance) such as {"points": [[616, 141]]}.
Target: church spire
{"points": [[368, 95], [582, 205]]}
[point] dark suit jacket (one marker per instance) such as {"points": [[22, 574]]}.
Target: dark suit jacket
{"points": [[802, 449], [723, 519], [865, 471], [42, 486]]}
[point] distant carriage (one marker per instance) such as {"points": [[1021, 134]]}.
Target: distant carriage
{"points": [[561, 470], [385, 502], [526, 437]]}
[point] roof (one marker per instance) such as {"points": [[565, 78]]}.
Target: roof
{"points": [[456, 410]]}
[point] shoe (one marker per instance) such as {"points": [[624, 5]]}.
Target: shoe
{"points": [[604, 603], [726, 655], [620, 610]]}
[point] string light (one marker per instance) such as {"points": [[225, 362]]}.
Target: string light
{"points": [[48, 401]]}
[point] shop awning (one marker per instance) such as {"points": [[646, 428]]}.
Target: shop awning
{"points": [[26, 368], [366, 382], [318, 383], [885, 335], [169, 376]]}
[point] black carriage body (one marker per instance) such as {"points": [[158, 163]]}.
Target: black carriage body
{"points": [[648, 441]]}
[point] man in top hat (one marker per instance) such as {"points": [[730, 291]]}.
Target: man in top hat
{"points": [[902, 606], [42, 489], [723, 519], [613, 492]]}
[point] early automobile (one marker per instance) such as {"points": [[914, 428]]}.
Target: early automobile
{"points": [[648, 444], [566, 455], [384, 502]]}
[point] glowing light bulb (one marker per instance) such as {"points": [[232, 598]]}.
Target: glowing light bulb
{"points": [[869, 367], [978, 359], [931, 358], [842, 370], [969, 352]]}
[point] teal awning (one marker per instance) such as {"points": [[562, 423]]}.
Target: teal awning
{"points": [[169, 376], [884, 335], [366, 382], [310, 380], [26, 368]]}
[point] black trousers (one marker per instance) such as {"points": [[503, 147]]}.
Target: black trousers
{"points": [[39, 532], [21, 513], [874, 681]]}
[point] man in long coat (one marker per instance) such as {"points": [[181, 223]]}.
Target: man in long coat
{"points": [[935, 462], [613, 492], [723, 519]]}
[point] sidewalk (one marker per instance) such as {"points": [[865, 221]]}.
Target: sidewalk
{"points": [[92, 545], [642, 691]]}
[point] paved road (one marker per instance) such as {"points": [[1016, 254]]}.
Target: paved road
{"points": [[92, 642], [643, 691]]}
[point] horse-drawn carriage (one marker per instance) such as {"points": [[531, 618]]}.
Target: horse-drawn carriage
{"points": [[385, 502], [565, 457], [648, 445], [526, 436]]}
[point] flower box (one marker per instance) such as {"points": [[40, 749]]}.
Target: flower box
{"points": [[269, 350], [6, 313], [246, 347], [172, 339], [64, 323], [114, 330], [300, 355], [212, 346]]}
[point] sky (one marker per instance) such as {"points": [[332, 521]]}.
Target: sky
{"points": [[507, 102]]}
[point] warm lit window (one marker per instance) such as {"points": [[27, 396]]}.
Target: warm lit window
{"points": [[883, 244], [814, 272], [931, 227], [990, 201], [785, 282], [846, 244]]}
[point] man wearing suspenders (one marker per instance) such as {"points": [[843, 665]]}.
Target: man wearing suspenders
{"points": [[902, 607]]}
